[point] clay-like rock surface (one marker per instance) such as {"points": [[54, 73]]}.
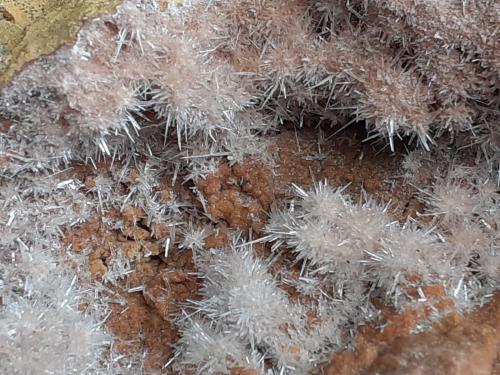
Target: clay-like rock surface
{"points": [[32, 28], [457, 345]]}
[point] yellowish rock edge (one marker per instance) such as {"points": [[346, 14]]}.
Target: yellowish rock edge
{"points": [[32, 28]]}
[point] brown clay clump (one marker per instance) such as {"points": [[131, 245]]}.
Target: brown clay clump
{"points": [[167, 290], [455, 345], [133, 242], [138, 328], [239, 195], [325, 105], [243, 371], [218, 239], [342, 161], [141, 322]]}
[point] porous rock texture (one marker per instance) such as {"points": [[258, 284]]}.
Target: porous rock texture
{"points": [[458, 344], [32, 28], [251, 187], [141, 322]]}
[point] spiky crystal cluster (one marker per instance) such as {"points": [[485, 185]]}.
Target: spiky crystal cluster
{"points": [[222, 71], [42, 328], [170, 91], [343, 242], [350, 252], [243, 310]]}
